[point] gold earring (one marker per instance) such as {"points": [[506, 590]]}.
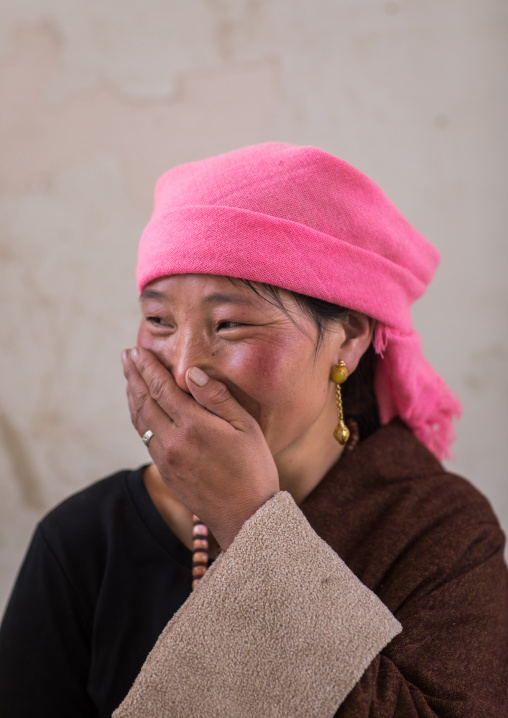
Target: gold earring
{"points": [[339, 375]]}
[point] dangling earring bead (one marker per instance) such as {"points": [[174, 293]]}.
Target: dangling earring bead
{"points": [[339, 375]]}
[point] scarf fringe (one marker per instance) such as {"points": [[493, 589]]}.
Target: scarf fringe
{"points": [[407, 386]]}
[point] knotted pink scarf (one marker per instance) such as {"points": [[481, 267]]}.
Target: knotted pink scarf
{"points": [[304, 220]]}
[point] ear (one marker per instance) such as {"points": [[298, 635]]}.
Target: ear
{"points": [[358, 330]]}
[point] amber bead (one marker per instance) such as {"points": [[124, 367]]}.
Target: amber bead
{"points": [[198, 571], [200, 543], [200, 530], [339, 373]]}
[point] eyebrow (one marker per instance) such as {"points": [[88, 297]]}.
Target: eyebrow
{"points": [[224, 298], [216, 298]]}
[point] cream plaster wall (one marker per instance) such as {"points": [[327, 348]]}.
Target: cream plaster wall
{"points": [[97, 99]]}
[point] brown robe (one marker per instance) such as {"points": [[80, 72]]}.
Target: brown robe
{"points": [[287, 624]]}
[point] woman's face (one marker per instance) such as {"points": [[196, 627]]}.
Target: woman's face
{"points": [[268, 362]]}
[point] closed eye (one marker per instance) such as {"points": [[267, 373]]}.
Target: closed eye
{"points": [[231, 325], [156, 321]]}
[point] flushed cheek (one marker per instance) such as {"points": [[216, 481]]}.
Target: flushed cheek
{"points": [[280, 392], [269, 369]]}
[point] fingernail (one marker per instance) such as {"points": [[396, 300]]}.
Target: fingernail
{"points": [[198, 376], [124, 356], [135, 354]]}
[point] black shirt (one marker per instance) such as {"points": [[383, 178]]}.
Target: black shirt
{"points": [[102, 577]]}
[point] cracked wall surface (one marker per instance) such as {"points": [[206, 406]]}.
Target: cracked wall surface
{"points": [[98, 99]]}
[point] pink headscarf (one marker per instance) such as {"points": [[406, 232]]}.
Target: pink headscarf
{"points": [[301, 219]]}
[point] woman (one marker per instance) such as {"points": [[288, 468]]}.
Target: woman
{"points": [[356, 577]]}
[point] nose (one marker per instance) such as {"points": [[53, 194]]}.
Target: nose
{"points": [[185, 348]]}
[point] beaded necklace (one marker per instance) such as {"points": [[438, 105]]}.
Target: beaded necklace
{"points": [[199, 550], [200, 539]]}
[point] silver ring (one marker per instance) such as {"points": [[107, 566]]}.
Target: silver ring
{"points": [[146, 437]]}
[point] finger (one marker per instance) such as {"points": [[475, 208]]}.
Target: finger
{"points": [[145, 412], [162, 387], [216, 397]]}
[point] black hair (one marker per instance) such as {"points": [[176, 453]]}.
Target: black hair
{"points": [[358, 396]]}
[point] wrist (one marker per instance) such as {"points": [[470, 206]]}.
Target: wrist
{"points": [[226, 530]]}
